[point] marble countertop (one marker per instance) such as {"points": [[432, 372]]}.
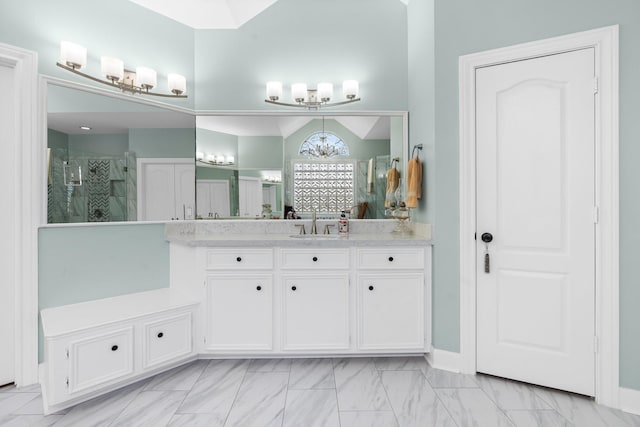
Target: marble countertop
{"points": [[266, 233]]}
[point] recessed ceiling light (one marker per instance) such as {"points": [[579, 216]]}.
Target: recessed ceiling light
{"points": [[85, 128]]}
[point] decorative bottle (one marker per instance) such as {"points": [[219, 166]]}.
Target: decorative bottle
{"points": [[343, 224]]}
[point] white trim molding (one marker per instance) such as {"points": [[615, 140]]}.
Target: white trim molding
{"points": [[26, 204], [444, 360], [630, 400], [605, 43]]}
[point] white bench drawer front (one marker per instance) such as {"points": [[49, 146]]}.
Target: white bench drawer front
{"points": [[306, 259], [100, 359], [240, 259], [391, 258], [167, 339]]}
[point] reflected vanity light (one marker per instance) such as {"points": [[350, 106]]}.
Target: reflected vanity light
{"points": [[73, 57], [312, 99], [214, 159]]}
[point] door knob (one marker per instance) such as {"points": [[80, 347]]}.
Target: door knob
{"points": [[487, 237]]}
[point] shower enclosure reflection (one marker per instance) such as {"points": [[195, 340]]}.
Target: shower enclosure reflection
{"points": [[100, 189]]}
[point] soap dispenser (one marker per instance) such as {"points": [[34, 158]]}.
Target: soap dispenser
{"points": [[343, 224]]}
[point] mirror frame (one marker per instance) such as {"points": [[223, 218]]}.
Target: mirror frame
{"points": [[45, 81]]}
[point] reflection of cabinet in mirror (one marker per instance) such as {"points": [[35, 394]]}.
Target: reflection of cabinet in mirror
{"points": [[213, 198], [250, 196], [166, 189]]}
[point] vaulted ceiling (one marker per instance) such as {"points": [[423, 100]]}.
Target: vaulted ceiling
{"points": [[210, 14]]}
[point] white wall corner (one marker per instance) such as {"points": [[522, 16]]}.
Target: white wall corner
{"points": [[630, 400], [444, 360]]}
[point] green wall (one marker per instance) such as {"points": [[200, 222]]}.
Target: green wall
{"points": [[120, 28], [163, 143], [82, 263], [57, 139], [310, 41], [98, 145], [260, 152]]}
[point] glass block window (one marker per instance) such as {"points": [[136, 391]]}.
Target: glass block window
{"points": [[323, 186]]}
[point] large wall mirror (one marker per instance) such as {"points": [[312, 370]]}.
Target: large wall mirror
{"points": [[110, 158], [268, 165]]}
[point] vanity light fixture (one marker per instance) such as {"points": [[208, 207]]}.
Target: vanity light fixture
{"points": [[312, 99], [73, 57], [216, 160]]}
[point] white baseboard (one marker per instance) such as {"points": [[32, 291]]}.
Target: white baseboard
{"points": [[630, 400], [445, 360]]}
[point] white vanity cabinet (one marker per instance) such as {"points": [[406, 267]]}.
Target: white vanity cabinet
{"points": [[315, 299], [308, 296], [239, 312], [239, 299], [392, 296], [96, 346]]}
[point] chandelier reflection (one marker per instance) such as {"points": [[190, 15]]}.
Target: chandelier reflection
{"points": [[323, 145]]}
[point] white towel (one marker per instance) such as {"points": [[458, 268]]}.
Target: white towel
{"points": [[370, 177]]}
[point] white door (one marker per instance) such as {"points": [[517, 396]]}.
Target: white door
{"points": [[213, 197], [185, 190], [157, 192], [250, 196], [535, 196], [8, 243], [166, 189]]}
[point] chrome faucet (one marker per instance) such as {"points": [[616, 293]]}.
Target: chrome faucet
{"points": [[314, 228]]}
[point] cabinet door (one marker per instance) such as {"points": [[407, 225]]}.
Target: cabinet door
{"points": [[239, 312], [100, 359], [391, 311], [316, 312], [185, 190], [166, 339]]}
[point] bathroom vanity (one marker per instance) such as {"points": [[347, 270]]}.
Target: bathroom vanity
{"points": [[269, 292], [248, 289]]}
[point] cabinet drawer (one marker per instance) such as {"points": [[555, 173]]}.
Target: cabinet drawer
{"points": [[100, 359], [391, 258], [166, 339], [239, 259], [315, 258]]}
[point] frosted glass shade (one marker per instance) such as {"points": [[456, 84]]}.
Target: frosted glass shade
{"points": [[229, 159], [112, 68], [73, 55], [199, 155], [350, 89], [299, 91], [146, 78], [211, 158], [325, 91], [274, 90], [177, 84]]}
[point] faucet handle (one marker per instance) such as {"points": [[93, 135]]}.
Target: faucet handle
{"points": [[302, 230], [326, 228]]}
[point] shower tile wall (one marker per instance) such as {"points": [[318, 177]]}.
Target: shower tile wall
{"points": [[131, 177], [56, 191], [107, 193], [98, 190]]}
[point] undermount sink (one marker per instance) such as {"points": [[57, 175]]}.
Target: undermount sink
{"points": [[314, 236]]}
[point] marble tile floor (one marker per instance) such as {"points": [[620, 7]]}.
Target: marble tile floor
{"points": [[349, 392]]}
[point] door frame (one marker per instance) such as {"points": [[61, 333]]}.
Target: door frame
{"points": [[606, 215], [26, 167]]}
